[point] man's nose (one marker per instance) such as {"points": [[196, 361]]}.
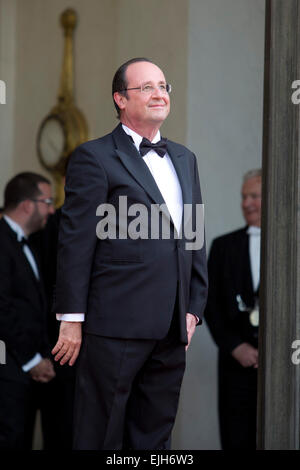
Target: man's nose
{"points": [[246, 202], [158, 92]]}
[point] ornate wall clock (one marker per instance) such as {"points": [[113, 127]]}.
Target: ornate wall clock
{"points": [[65, 127]]}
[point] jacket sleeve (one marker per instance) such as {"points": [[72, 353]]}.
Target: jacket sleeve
{"points": [[199, 279], [86, 188]]}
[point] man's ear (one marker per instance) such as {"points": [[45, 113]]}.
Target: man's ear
{"points": [[120, 99], [26, 206]]}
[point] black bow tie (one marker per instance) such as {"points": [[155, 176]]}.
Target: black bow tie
{"points": [[159, 147]]}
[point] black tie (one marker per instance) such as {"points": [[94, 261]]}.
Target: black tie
{"points": [[159, 147]]}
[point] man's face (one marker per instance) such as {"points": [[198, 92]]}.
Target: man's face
{"points": [[251, 201], [142, 109], [41, 210]]}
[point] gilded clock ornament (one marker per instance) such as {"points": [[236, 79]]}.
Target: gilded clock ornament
{"points": [[65, 127]]}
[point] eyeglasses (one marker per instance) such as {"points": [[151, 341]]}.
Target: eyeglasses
{"points": [[49, 201], [149, 89]]}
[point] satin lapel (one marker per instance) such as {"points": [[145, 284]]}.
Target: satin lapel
{"points": [[29, 268], [246, 266], [23, 258], [136, 166], [183, 173], [36, 282], [39, 282]]}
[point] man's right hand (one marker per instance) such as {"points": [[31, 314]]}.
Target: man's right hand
{"points": [[69, 342], [43, 371], [246, 355]]}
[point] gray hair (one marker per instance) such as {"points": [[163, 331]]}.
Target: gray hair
{"points": [[252, 174]]}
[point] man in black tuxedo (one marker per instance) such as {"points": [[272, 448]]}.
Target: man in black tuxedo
{"points": [[232, 316], [27, 204], [140, 297]]}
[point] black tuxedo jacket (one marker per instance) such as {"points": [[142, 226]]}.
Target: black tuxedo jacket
{"points": [[127, 288], [22, 307], [44, 243], [229, 274]]}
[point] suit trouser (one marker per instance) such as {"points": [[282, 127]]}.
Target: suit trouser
{"points": [[127, 392], [237, 407], [14, 397], [55, 402]]}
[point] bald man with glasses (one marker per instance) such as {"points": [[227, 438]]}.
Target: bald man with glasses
{"points": [[137, 300]]}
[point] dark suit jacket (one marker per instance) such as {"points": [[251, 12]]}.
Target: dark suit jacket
{"points": [[126, 287], [22, 307], [229, 274], [44, 243]]}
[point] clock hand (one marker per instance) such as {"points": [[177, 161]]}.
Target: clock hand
{"points": [[52, 145]]}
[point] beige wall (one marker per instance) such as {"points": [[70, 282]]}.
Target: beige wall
{"points": [[38, 66], [160, 33], [108, 33]]}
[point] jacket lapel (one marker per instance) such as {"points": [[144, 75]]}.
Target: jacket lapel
{"points": [[182, 171], [184, 177], [246, 266], [23, 258], [136, 166], [29, 269]]}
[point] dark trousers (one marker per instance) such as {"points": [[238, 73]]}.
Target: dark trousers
{"points": [[19, 402], [55, 400], [127, 392], [237, 407], [14, 399]]}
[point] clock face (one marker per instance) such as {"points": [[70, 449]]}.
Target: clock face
{"points": [[51, 141]]}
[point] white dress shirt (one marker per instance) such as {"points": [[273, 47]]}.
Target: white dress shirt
{"points": [[163, 171], [254, 251], [28, 253]]}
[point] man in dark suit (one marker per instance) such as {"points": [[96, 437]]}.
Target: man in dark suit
{"points": [[140, 296], [27, 204], [232, 316]]}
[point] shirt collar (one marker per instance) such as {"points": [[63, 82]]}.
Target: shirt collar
{"points": [[15, 227], [252, 230], [137, 138]]}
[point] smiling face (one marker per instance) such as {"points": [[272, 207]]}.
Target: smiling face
{"points": [[139, 110], [251, 201]]}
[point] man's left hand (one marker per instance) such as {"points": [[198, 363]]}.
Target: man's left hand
{"points": [[191, 323], [43, 371]]}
